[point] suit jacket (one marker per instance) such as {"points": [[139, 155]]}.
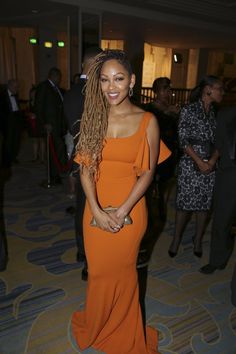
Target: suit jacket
{"points": [[49, 109], [74, 106], [5, 110], [226, 137]]}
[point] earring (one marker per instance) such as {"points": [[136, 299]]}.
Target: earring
{"points": [[131, 91]]}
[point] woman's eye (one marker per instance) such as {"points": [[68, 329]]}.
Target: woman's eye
{"points": [[119, 79], [103, 80]]}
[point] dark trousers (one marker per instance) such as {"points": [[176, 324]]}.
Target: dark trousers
{"points": [[80, 204], [3, 249], [3, 240], [12, 136], [224, 213], [57, 155], [233, 287]]}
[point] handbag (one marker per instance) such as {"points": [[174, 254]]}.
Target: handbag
{"points": [[109, 209]]}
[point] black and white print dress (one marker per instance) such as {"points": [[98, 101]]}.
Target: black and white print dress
{"points": [[196, 128]]}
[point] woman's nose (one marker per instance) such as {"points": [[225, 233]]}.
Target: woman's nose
{"points": [[111, 85]]}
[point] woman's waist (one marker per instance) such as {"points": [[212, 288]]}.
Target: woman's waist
{"points": [[116, 170]]}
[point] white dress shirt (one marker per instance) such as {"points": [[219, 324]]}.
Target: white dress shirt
{"points": [[14, 105]]}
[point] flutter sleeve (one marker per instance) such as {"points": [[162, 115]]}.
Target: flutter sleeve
{"points": [[164, 152], [142, 162]]}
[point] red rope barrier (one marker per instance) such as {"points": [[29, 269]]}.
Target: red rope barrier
{"points": [[61, 168]]}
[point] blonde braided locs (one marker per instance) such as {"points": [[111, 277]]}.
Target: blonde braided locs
{"points": [[94, 120]]}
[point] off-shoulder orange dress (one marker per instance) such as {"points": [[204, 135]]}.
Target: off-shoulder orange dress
{"points": [[112, 320]]}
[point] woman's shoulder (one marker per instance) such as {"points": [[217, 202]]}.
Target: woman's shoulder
{"points": [[191, 106], [143, 116]]}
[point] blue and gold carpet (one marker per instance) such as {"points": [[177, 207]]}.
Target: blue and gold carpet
{"points": [[42, 285]]}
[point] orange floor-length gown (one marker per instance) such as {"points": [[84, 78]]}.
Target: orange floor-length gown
{"points": [[112, 320]]}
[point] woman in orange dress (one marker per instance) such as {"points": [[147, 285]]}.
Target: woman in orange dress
{"points": [[117, 152]]}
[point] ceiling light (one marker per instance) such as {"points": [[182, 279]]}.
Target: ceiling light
{"points": [[61, 44], [48, 44], [33, 40]]}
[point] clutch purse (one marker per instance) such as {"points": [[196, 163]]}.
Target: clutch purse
{"points": [[109, 209]]}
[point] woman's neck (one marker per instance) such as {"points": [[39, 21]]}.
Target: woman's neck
{"points": [[121, 109]]}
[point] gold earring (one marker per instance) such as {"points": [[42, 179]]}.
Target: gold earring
{"points": [[131, 91]]}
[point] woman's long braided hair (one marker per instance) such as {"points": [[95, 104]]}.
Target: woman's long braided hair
{"points": [[94, 120]]}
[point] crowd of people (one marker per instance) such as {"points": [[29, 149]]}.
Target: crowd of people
{"points": [[116, 153]]}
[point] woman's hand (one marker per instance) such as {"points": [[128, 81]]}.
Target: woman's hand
{"points": [[211, 164], [204, 166], [108, 221]]}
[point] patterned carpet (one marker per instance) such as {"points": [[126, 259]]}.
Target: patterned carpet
{"points": [[42, 285]]}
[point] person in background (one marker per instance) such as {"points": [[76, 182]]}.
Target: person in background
{"points": [[50, 119], [3, 238], [117, 151], [224, 206], [76, 79], [196, 168], [11, 123], [73, 109], [167, 115], [37, 141]]}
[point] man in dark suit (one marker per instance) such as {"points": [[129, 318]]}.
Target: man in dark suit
{"points": [[224, 212], [50, 118], [3, 240], [73, 109], [11, 121]]}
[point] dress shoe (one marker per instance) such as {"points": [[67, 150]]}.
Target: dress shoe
{"points": [[3, 267], [197, 253], [70, 210], [172, 254], [209, 268], [84, 274]]}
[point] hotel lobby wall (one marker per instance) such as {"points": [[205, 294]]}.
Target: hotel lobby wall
{"points": [[134, 47], [179, 70], [22, 59]]}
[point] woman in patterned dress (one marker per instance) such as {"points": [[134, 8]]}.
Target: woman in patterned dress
{"points": [[196, 174]]}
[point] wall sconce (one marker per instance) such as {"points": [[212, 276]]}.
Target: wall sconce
{"points": [[60, 44], [47, 44], [178, 58], [33, 40]]}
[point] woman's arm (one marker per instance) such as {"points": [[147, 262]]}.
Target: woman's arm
{"points": [[213, 159], [140, 187], [203, 166], [103, 220], [184, 132]]}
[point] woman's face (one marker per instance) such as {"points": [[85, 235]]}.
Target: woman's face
{"points": [[164, 94], [216, 92], [115, 82]]}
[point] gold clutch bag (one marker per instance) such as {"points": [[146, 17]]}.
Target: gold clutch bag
{"points": [[127, 221]]}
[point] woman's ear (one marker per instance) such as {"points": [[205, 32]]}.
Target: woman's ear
{"points": [[132, 81]]}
